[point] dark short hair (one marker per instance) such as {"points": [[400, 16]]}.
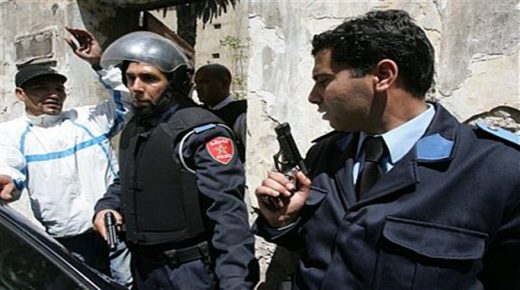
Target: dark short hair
{"points": [[362, 42], [217, 70]]}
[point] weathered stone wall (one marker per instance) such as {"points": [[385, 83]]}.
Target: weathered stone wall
{"points": [[478, 69]]}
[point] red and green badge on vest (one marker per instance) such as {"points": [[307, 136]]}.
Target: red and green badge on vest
{"points": [[221, 149]]}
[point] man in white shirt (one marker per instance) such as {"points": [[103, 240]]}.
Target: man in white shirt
{"points": [[64, 159]]}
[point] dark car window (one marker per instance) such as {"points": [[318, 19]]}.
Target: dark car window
{"points": [[22, 267]]}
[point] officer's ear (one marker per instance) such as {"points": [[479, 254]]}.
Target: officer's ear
{"points": [[20, 94], [385, 74]]}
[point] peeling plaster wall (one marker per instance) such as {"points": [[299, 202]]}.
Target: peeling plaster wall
{"points": [[479, 65]]}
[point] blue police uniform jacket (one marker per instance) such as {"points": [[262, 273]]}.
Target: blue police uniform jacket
{"points": [[446, 216]]}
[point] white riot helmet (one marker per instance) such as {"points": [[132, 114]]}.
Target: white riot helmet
{"points": [[147, 47]]}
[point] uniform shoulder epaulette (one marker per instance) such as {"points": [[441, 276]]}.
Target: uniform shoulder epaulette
{"points": [[203, 128], [499, 133]]}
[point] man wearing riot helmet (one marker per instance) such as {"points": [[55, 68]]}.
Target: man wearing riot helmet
{"points": [[181, 185]]}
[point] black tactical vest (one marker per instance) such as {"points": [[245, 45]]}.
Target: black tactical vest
{"points": [[160, 197]]}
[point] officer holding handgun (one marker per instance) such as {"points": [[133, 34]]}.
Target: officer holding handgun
{"points": [[403, 195], [181, 186]]}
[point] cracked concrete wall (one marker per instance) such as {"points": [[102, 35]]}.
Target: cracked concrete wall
{"points": [[478, 71]]}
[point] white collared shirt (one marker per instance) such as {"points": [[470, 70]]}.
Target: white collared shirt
{"points": [[398, 141]]}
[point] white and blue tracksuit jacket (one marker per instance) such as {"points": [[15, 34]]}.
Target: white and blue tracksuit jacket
{"points": [[66, 162]]}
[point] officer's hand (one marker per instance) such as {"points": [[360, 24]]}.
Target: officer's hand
{"points": [[6, 188], [84, 45], [286, 201], [99, 221]]}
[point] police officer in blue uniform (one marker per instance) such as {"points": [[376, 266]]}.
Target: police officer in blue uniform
{"points": [[401, 195], [181, 185]]}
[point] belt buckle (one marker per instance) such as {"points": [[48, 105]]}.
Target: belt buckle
{"points": [[204, 252], [171, 257]]}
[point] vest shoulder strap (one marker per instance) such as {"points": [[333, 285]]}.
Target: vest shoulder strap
{"points": [[190, 117], [231, 112], [192, 120]]}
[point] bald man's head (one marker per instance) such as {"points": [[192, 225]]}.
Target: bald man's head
{"points": [[212, 82]]}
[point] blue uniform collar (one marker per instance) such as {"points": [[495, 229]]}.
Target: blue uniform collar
{"points": [[430, 145], [434, 148], [438, 143], [401, 140]]}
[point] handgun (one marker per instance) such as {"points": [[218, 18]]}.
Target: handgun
{"points": [[287, 160], [110, 226]]}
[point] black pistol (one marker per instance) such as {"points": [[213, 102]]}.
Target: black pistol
{"points": [[110, 226], [288, 160]]}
